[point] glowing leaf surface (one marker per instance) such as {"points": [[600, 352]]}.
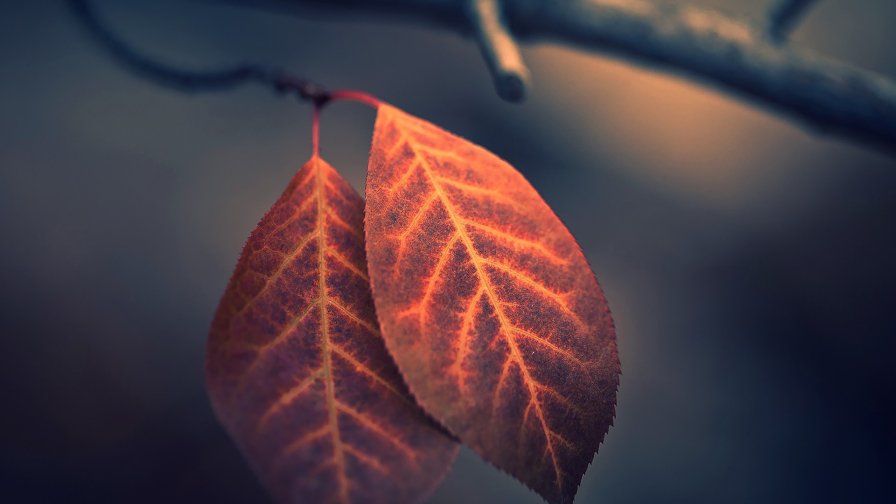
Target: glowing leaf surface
{"points": [[488, 305], [296, 367]]}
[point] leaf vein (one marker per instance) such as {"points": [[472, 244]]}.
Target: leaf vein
{"points": [[347, 263], [340, 222], [288, 397], [365, 370], [269, 282], [516, 240], [353, 316], [557, 298], [377, 428]]}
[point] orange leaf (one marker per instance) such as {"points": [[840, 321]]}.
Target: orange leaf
{"points": [[488, 305], [296, 367]]}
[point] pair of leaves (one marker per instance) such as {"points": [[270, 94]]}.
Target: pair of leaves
{"points": [[488, 309]]}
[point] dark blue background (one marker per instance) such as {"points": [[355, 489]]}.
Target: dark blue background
{"points": [[751, 266]]}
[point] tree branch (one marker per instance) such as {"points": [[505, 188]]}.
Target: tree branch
{"points": [[829, 96], [826, 95], [784, 16], [499, 49]]}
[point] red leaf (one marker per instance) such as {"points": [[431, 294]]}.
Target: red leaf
{"points": [[297, 370], [488, 305]]}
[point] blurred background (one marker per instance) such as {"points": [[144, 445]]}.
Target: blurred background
{"points": [[750, 265]]}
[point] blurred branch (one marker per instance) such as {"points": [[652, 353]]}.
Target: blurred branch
{"points": [[189, 80], [499, 49], [738, 57], [784, 16], [827, 95]]}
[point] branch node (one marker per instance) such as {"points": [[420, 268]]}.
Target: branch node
{"points": [[284, 83], [500, 50], [783, 18]]}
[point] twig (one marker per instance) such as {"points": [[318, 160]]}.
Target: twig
{"points": [[829, 96], [501, 53], [784, 16], [189, 80]]}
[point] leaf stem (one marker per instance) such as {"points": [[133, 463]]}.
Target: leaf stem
{"points": [[356, 96], [315, 130]]}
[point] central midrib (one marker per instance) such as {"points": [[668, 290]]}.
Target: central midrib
{"points": [[332, 413]]}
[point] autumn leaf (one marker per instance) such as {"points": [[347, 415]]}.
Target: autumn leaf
{"points": [[296, 367], [488, 305]]}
